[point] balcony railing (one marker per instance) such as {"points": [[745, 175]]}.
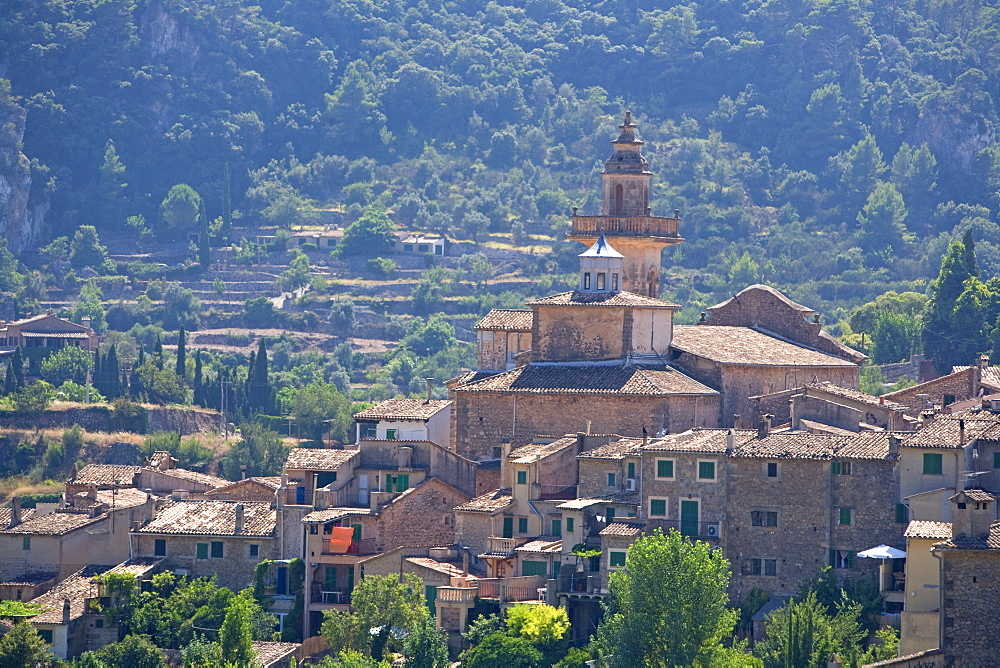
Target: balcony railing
{"points": [[456, 594], [332, 595], [702, 530], [357, 547], [501, 545], [654, 226], [586, 582], [511, 589], [488, 587]]}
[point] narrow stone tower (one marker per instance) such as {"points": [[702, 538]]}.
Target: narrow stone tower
{"points": [[625, 215]]}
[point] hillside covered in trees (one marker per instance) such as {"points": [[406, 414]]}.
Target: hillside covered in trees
{"points": [[837, 140]]}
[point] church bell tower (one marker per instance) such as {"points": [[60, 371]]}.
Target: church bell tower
{"points": [[625, 217]]}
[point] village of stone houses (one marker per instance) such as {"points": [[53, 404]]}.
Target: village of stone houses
{"points": [[599, 485]]}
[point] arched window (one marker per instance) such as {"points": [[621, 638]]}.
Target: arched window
{"points": [[618, 201]]}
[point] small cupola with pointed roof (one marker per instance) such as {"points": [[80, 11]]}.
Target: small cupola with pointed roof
{"points": [[600, 268]]}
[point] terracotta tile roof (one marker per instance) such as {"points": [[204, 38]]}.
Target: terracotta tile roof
{"points": [[745, 346], [700, 440], [127, 497], [490, 502], [507, 319], [78, 587], [26, 514], [943, 432], [210, 481], [990, 541], [617, 379], [979, 495], [331, 514], [541, 546], [532, 452], [865, 445], [623, 447], [440, 566], [273, 482], [270, 652], [627, 529], [106, 474], [404, 409], [580, 504], [316, 459], [54, 524], [990, 376], [212, 518], [30, 579], [605, 299], [138, 566], [855, 395], [925, 529]]}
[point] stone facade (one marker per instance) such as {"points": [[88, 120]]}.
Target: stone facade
{"points": [[433, 502], [939, 392], [234, 568], [970, 588]]}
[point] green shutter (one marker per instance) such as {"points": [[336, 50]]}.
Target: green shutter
{"points": [[609, 513], [835, 468], [833, 558], [556, 568], [350, 578], [202, 551], [996, 460], [25, 543], [522, 525], [631, 469], [330, 578], [932, 463], [522, 477], [508, 527], [664, 468], [569, 525], [611, 480], [402, 482], [357, 532], [850, 560], [616, 559], [556, 527], [902, 513], [658, 507], [706, 470], [845, 516], [534, 568], [431, 594]]}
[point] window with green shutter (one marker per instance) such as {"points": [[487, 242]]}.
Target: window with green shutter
{"points": [[631, 469], [611, 480], [357, 532], [664, 468], [996, 460], [556, 527], [933, 463], [569, 524], [610, 514], [616, 559], [159, 547], [658, 507], [706, 470], [534, 568], [845, 516], [201, 551], [522, 525], [25, 543], [902, 513], [217, 549], [522, 477]]}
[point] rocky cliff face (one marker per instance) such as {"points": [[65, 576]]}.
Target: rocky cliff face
{"points": [[19, 222]]}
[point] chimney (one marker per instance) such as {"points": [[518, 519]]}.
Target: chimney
{"points": [[430, 388], [730, 441], [85, 321], [984, 361], [239, 519], [65, 616], [764, 428], [465, 560], [893, 444], [15, 512], [505, 475], [972, 515], [961, 432]]}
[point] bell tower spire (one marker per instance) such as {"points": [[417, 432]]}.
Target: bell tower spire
{"points": [[626, 218]]}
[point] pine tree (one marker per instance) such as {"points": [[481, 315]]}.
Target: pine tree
{"points": [[199, 390], [180, 369], [970, 253], [957, 266]]}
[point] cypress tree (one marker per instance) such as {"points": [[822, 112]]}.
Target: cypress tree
{"points": [[179, 369], [112, 379], [199, 391], [204, 250], [970, 253], [158, 353], [17, 361], [260, 395], [9, 382], [250, 372], [97, 376]]}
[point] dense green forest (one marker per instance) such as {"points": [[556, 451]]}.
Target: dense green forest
{"points": [[831, 148]]}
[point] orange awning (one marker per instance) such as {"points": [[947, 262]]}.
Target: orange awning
{"points": [[340, 540]]}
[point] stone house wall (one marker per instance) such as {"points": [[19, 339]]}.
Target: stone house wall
{"points": [[970, 588], [579, 333], [472, 530], [961, 385], [712, 496], [495, 348], [234, 569], [593, 477], [776, 404], [484, 419], [423, 516]]}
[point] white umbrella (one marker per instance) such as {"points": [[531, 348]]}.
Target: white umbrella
{"points": [[882, 552]]}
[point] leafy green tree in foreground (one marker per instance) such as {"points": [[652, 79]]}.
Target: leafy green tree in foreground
{"points": [[86, 250], [22, 647], [134, 651], [70, 363], [235, 636], [426, 647], [669, 605], [499, 650], [377, 602], [181, 206]]}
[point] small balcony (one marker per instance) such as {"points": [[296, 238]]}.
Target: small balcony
{"points": [[462, 595], [364, 546], [633, 226], [511, 589], [331, 596], [580, 582], [498, 546]]}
